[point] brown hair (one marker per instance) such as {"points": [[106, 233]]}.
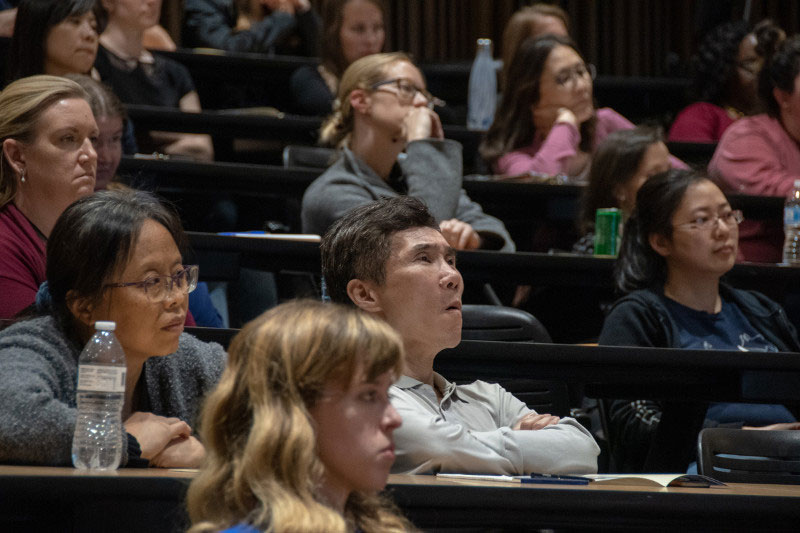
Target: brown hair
{"points": [[261, 465], [22, 104], [331, 46]]}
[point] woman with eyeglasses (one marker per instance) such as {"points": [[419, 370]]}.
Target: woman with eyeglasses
{"points": [[680, 240], [760, 154], [547, 121], [725, 73], [391, 143], [111, 256]]}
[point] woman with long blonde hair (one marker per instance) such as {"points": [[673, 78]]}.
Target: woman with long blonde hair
{"points": [[299, 430]]}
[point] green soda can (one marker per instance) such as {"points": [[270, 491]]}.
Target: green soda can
{"points": [[606, 231]]}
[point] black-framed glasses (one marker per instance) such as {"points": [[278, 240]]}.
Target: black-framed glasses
{"points": [[569, 77], [709, 222], [407, 91], [159, 288]]}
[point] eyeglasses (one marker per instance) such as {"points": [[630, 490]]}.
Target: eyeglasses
{"points": [[159, 288], [731, 219], [568, 78], [407, 91]]}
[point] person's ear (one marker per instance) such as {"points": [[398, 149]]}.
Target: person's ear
{"points": [[364, 295], [360, 100], [660, 243], [81, 308], [781, 96], [14, 154]]}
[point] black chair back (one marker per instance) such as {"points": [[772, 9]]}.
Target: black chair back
{"points": [[746, 456], [499, 323], [296, 156]]}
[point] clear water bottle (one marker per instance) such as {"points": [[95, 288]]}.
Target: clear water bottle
{"points": [[482, 88], [99, 435], [791, 226]]}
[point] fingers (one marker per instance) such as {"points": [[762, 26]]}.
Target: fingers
{"points": [[533, 421], [460, 235], [420, 123]]}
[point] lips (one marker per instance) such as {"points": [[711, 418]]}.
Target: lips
{"points": [[454, 306], [175, 325]]}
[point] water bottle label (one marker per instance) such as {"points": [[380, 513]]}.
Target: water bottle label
{"points": [[791, 215], [99, 378]]}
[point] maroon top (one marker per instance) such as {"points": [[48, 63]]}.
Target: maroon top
{"points": [[701, 122], [22, 261]]}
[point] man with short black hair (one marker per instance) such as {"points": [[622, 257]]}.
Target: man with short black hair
{"points": [[390, 259]]}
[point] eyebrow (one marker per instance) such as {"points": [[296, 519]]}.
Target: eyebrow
{"points": [[426, 246]]}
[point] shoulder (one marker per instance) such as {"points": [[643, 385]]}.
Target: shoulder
{"points": [[755, 126], [701, 108], [607, 116], [637, 303], [749, 301], [40, 336], [202, 355]]}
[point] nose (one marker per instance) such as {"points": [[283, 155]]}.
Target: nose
{"points": [[87, 31], [88, 153], [175, 295], [420, 100], [451, 278], [391, 418]]}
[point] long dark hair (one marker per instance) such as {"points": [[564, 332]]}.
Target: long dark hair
{"points": [[614, 163], [35, 19], [781, 65], [93, 238], [715, 62], [638, 265], [513, 123]]}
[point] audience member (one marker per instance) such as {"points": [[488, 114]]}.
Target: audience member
{"points": [[390, 259], [621, 164], [681, 239], [299, 429], [139, 77], [290, 27], [547, 121], [53, 37], [111, 256], [532, 21], [725, 83], [8, 12], [759, 155], [382, 111], [351, 29], [48, 162]]}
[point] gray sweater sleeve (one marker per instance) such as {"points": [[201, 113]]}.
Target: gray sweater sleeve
{"points": [[38, 371]]}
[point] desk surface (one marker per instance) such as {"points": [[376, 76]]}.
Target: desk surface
{"points": [[427, 501]]}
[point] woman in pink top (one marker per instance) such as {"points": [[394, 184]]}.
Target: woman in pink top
{"points": [[760, 155], [547, 121]]}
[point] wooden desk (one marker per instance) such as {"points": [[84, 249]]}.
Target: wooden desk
{"points": [[152, 500], [430, 502]]}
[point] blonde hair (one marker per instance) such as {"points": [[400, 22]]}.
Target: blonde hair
{"points": [[22, 103], [361, 74], [261, 466]]}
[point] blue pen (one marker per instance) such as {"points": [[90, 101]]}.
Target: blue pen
{"points": [[556, 479]]}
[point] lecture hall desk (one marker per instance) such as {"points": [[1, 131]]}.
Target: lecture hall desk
{"points": [[151, 500]]}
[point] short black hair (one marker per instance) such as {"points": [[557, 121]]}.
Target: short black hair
{"points": [[93, 238], [638, 265], [358, 245], [35, 19]]}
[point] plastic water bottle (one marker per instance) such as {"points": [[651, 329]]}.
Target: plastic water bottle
{"points": [[482, 88], [791, 226], [98, 440]]}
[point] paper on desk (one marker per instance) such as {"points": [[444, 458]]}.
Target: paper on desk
{"points": [[655, 480]]}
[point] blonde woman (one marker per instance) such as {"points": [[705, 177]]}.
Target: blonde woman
{"points": [[382, 111], [299, 430]]}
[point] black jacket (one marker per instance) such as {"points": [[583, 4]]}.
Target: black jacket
{"points": [[641, 319]]}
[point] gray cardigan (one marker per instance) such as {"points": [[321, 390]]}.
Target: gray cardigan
{"points": [[38, 376], [432, 172]]}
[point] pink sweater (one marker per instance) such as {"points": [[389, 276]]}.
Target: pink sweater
{"points": [[757, 156], [700, 122], [22, 261], [551, 155]]}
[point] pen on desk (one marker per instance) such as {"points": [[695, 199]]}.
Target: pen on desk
{"points": [[561, 476], [479, 477]]}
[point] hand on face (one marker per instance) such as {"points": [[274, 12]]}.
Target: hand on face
{"points": [[154, 433], [460, 235], [545, 117], [533, 421], [422, 123]]}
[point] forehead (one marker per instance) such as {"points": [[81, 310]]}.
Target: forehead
{"points": [[64, 113], [542, 24], [408, 240], [655, 154], [747, 47], [109, 124], [154, 245], [404, 69], [561, 57], [359, 11], [702, 195]]}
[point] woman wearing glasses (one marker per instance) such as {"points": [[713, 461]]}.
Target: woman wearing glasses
{"points": [[547, 121], [680, 240], [391, 143], [111, 256]]}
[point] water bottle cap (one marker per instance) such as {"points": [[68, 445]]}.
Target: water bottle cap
{"points": [[797, 184], [484, 42], [105, 325]]}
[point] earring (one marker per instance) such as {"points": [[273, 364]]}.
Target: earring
{"points": [[22, 177]]}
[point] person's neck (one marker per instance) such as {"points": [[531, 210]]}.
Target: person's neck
{"points": [[124, 42], [379, 153], [333, 495], [791, 126], [419, 364], [700, 293], [42, 217]]}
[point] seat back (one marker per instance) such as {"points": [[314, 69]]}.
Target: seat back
{"points": [[746, 456], [221, 336], [316, 157], [499, 323]]}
